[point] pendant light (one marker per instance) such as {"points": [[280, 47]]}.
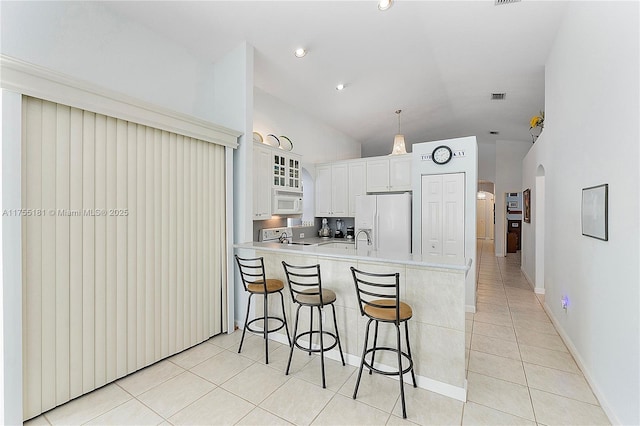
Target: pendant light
{"points": [[398, 140]]}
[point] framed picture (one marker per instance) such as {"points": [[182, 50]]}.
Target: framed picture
{"points": [[526, 197], [513, 204], [595, 221]]}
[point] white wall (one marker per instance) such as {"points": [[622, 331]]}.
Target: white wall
{"points": [[487, 162], [315, 141], [467, 165], [509, 155], [11, 262], [90, 42], [591, 137]]}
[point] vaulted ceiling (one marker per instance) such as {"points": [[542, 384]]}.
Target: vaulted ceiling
{"points": [[438, 61]]}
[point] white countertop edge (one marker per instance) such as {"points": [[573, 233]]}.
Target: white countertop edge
{"points": [[366, 256]]}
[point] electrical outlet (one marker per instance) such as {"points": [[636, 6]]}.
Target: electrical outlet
{"points": [[302, 235]]}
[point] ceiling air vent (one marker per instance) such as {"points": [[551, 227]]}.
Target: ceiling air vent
{"points": [[499, 2], [498, 96], [494, 132]]}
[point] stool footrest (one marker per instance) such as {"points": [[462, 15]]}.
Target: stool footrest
{"points": [[310, 334], [271, 330], [387, 373]]}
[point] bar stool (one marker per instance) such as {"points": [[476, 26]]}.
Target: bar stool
{"points": [[306, 290], [256, 282], [379, 299]]}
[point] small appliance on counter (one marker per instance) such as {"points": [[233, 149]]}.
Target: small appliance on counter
{"points": [[339, 233], [350, 233], [325, 231]]}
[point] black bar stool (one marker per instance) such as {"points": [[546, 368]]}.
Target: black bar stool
{"points": [[256, 282], [306, 290], [379, 300]]}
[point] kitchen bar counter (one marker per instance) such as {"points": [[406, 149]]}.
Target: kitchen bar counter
{"points": [[435, 288], [328, 249]]}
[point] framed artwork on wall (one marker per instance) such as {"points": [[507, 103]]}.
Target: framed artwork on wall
{"points": [[526, 197], [595, 212]]}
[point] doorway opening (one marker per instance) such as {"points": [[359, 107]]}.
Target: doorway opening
{"points": [[485, 211], [539, 218]]}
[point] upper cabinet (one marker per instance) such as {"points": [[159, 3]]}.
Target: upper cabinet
{"points": [[389, 174], [273, 168], [357, 183], [332, 191], [286, 170], [262, 177]]}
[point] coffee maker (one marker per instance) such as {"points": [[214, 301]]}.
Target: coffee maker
{"points": [[339, 233], [350, 233]]}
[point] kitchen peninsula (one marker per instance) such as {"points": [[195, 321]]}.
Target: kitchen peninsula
{"points": [[434, 287]]}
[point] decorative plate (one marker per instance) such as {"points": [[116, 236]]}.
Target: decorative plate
{"points": [[272, 140], [257, 137], [285, 143]]}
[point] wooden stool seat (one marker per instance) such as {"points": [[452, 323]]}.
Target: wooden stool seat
{"points": [[311, 298], [386, 314], [273, 285]]}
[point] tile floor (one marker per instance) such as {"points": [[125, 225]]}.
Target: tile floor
{"points": [[519, 373]]}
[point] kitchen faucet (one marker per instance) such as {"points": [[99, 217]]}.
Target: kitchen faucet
{"points": [[366, 232]]}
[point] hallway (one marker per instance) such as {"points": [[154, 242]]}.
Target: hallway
{"points": [[517, 362], [519, 373]]}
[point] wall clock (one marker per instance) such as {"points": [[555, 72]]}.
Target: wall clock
{"points": [[442, 154]]}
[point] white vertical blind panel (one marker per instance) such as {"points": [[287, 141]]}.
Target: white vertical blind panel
{"points": [[126, 263], [62, 252], [48, 256], [32, 255], [75, 255]]}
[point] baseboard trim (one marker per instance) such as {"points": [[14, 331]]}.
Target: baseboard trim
{"points": [[446, 389], [528, 278], [470, 308], [574, 352]]}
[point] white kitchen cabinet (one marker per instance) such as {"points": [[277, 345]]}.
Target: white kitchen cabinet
{"points": [[389, 174], [332, 190], [286, 170], [357, 183], [261, 182]]}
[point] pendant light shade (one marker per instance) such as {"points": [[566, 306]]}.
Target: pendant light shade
{"points": [[398, 140]]}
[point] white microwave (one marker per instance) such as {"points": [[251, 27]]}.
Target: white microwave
{"points": [[286, 202]]}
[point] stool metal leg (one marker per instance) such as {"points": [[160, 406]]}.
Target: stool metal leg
{"points": [[364, 351], [295, 334], [400, 375], [284, 315], [310, 328], [246, 321], [413, 375], [324, 385], [266, 328], [335, 323], [375, 345]]}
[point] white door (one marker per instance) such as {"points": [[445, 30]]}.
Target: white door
{"points": [[443, 215], [393, 223], [481, 218], [357, 184], [378, 175], [400, 173], [323, 190]]}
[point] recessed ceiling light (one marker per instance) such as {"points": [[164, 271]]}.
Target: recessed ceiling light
{"points": [[300, 52], [340, 86], [384, 4]]}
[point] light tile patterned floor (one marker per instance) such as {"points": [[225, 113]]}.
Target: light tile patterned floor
{"points": [[519, 372]]}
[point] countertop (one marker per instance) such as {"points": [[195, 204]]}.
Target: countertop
{"points": [[364, 253]]}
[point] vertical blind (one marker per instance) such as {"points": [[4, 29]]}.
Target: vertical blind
{"points": [[124, 250]]}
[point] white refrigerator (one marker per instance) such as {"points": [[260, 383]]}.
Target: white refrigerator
{"points": [[387, 218]]}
